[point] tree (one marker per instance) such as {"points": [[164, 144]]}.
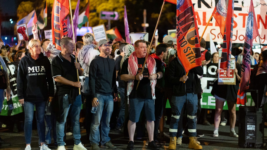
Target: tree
{"points": [[96, 6]]}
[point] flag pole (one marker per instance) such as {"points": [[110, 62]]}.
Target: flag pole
{"points": [[205, 28], [74, 40], [151, 41]]}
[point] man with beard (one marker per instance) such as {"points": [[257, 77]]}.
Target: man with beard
{"points": [[144, 95], [102, 77], [64, 70]]}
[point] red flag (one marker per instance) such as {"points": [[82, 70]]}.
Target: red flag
{"points": [[171, 1], [219, 14], [227, 38], [250, 33], [59, 23], [188, 44]]}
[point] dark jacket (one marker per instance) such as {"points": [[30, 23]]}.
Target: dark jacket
{"points": [[102, 76], [176, 71], [34, 79]]}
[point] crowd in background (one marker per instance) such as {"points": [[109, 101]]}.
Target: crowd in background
{"points": [[112, 70]]}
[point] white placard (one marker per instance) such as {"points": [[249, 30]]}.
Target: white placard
{"points": [[20, 35], [99, 33], [48, 34], [138, 36]]}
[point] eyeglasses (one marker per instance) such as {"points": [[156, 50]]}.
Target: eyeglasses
{"points": [[107, 45]]}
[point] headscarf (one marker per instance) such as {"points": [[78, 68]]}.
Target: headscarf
{"points": [[128, 50]]}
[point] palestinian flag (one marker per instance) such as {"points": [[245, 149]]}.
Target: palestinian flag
{"points": [[45, 15], [42, 19], [84, 16], [113, 34]]}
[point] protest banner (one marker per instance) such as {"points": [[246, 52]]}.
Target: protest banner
{"points": [[230, 79], [48, 34], [204, 9], [12, 107], [99, 33], [207, 80]]}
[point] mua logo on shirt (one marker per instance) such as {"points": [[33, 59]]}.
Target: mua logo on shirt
{"points": [[36, 70]]}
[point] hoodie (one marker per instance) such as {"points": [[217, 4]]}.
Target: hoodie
{"points": [[34, 79], [102, 76]]}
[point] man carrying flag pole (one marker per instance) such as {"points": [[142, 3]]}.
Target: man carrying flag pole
{"points": [[251, 33], [184, 72]]}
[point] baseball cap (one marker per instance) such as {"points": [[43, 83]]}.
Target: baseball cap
{"points": [[101, 42]]}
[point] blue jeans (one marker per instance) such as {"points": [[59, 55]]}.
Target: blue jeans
{"points": [[103, 114], [40, 113], [121, 117], [177, 103], [2, 97], [75, 116], [50, 129]]}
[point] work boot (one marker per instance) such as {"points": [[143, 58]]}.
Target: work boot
{"points": [[172, 143], [193, 144]]}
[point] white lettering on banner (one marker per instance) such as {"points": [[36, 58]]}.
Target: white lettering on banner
{"points": [[201, 102], [204, 9], [211, 101]]}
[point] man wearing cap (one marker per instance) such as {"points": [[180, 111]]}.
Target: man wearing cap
{"points": [[144, 95], [102, 77]]}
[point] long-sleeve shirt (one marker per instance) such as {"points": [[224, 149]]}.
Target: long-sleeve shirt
{"points": [[102, 76]]}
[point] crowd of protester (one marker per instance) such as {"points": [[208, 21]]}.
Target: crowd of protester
{"points": [[114, 77]]}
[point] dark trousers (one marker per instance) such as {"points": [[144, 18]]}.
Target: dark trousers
{"points": [[159, 106], [88, 114]]}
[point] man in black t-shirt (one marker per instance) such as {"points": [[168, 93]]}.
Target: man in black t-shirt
{"points": [[144, 95], [64, 70]]}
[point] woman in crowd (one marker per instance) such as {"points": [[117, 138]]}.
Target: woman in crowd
{"points": [[227, 93], [33, 75]]}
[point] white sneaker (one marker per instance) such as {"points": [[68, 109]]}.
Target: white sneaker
{"points": [[69, 133], [44, 147], [179, 141], [215, 134], [61, 148], [79, 147], [28, 147], [233, 134]]}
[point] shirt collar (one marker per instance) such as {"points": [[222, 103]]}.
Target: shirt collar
{"points": [[62, 58]]}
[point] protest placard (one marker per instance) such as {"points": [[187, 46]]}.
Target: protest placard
{"points": [[99, 33], [48, 34], [138, 36], [222, 75], [22, 32]]}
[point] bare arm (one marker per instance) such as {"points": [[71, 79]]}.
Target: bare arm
{"points": [[127, 77], [62, 80]]}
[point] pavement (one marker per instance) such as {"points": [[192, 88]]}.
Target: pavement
{"points": [[223, 142]]}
